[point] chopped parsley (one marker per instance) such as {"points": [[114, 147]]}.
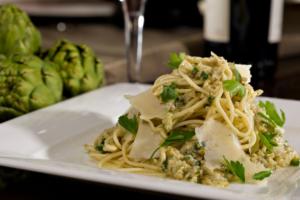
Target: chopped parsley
{"points": [[204, 75], [130, 124], [261, 175], [272, 113], [165, 164], [197, 146], [237, 75], [169, 93], [267, 139], [195, 70], [210, 100], [176, 136], [99, 147], [179, 101], [234, 88], [175, 60], [295, 162], [267, 120], [236, 168]]}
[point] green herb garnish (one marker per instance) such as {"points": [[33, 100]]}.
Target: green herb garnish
{"points": [[197, 146], [267, 139], [210, 100], [176, 136], [234, 88], [165, 164], [179, 101], [237, 74], [195, 70], [271, 111], [267, 119], [261, 175], [169, 93], [204, 75], [236, 168], [99, 147], [175, 60], [295, 162], [130, 125]]}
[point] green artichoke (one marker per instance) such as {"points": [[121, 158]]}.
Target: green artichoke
{"points": [[17, 33], [80, 69], [27, 83]]}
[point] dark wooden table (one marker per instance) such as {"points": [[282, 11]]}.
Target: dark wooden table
{"points": [[39, 186]]}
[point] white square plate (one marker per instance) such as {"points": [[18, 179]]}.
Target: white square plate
{"points": [[51, 140]]}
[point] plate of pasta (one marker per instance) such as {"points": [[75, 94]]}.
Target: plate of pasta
{"points": [[200, 131]]}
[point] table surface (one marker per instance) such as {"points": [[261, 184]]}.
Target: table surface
{"points": [[107, 41], [47, 187]]}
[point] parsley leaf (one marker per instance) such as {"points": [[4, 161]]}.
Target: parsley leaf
{"points": [[169, 93], [130, 125], [267, 119], [176, 136], [261, 175], [237, 74], [204, 75], [270, 137], [195, 70], [261, 104], [179, 101], [267, 140], [295, 162], [272, 113], [165, 164], [234, 87], [99, 147], [175, 60], [210, 100], [236, 168]]}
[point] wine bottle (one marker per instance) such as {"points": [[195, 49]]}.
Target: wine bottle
{"points": [[216, 23], [245, 31]]}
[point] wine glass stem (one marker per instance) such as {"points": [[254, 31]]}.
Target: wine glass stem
{"points": [[134, 23]]}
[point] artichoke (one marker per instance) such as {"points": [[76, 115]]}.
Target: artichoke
{"points": [[27, 83], [80, 69], [17, 33]]}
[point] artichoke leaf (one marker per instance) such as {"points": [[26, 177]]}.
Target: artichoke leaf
{"points": [[8, 113]]}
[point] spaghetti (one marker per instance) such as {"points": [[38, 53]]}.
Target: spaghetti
{"points": [[193, 94]]}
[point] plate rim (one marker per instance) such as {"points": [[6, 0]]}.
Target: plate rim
{"points": [[72, 172]]}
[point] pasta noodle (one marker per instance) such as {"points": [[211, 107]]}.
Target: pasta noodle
{"points": [[199, 96]]}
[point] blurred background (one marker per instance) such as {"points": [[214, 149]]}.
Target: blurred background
{"points": [[170, 26]]}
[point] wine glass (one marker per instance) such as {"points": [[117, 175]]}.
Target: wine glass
{"points": [[133, 11]]}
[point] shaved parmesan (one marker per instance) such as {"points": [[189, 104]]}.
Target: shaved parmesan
{"points": [[220, 142], [145, 143], [244, 71], [148, 105]]}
